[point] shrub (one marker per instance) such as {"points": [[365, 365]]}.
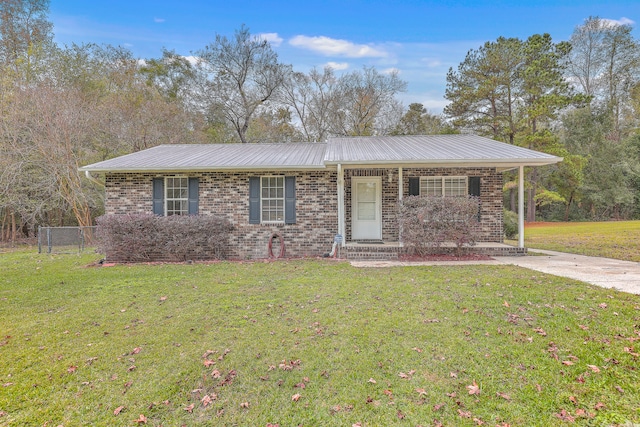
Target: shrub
{"points": [[427, 222], [510, 222], [146, 237]]}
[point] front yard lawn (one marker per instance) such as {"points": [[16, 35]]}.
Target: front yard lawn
{"points": [[312, 343], [611, 239]]}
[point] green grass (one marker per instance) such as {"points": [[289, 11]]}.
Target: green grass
{"points": [[380, 347], [613, 239]]}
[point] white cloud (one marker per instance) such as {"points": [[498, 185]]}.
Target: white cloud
{"points": [[336, 47], [193, 60], [159, 20], [616, 22], [431, 62], [391, 70], [273, 38], [337, 65]]}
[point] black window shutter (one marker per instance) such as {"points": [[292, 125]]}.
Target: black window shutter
{"points": [[193, 196], [254, 200], [414, 186], [289, 199], [158, 196], [474, 190], [474, 186]]}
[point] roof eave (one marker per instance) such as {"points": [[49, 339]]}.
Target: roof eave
{"points": [[202, 169], [499, 163]]}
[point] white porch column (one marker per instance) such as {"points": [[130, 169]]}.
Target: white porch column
{"points": [[521, 207], [341, 226]]}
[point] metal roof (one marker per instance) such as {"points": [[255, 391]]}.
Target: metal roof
{"points": [[426, 150], [208, 157], [432, 150]]}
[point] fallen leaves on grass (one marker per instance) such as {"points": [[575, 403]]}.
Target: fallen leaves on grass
{"points": [[118, 410], [540, 331], [207, 400], [296, 397], [189, 408], [473, 388], [505, 396], [565, 416], [141, 419], [594, 368]]}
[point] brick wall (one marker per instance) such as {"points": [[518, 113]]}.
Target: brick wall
{"points": [[227, 194], [491, 227]]}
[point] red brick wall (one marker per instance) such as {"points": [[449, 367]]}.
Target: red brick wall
{"points": [[491, 228], [227, 194]]}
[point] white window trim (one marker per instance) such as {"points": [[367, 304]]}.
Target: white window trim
{"points": [[445, 177], [166, 193], [283, 198]]}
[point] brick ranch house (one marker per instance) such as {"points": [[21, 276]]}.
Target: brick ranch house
{"points": [[308, 193]]}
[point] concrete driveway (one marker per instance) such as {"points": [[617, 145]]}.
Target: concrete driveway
{"points": [[604, 272]]}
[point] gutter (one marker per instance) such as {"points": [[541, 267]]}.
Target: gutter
{"points": [[92, 178]]}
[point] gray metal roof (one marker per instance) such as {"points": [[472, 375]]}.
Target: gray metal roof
{"points": [[208, 157], [432, 150], [427, 150]]}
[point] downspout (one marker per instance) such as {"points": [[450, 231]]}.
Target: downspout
{"points": [[341, 227], [93, 179], [521, 207]]}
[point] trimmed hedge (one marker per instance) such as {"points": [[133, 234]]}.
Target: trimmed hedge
{"points": [[146, 237], [429, 221]]}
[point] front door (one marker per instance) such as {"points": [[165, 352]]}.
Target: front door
{"points": [[366, 206]]}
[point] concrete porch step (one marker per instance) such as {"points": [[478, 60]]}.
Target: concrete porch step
{"points": [[392, 250]]}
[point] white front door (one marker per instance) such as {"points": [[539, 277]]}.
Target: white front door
{"points": [[366, 208]]}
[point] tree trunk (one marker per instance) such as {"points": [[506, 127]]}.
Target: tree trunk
{"points": [[531, 202]]}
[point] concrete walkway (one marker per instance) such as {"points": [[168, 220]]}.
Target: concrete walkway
{"points": [[604, 272]]}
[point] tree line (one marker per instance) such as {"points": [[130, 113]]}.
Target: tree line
{"points": [[62, 107]]}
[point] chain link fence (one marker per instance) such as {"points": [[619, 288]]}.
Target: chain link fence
{"points": [[65, 239]]}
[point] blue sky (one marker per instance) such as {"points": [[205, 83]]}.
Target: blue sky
{"points": [[420, 39]]}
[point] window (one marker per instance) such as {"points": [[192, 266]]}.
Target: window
{"points": [[272, 198], [444, 186], [175, 195]]}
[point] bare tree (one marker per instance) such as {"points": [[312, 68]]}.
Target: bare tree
{"points": [[23, 24], [605, 64], [367, 104], [243, 74], [312, 97]]}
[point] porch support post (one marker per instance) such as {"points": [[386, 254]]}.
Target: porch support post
{"points": [[521, 207], [341, 227]]}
